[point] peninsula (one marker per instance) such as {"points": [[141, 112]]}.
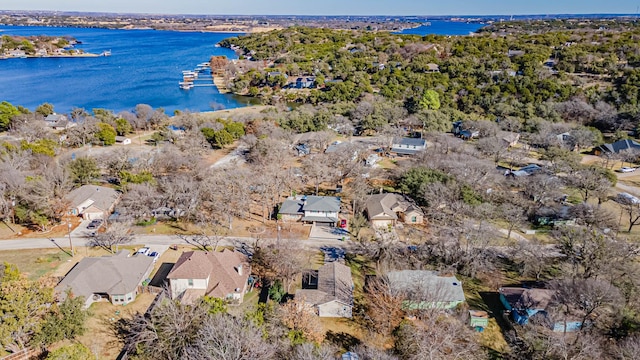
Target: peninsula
{"points": [[41, 46]]}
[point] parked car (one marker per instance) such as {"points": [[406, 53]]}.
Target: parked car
{"points": [[627, 169], [154, 255], [626, 198], [94, 224], [343, 223], [142, 251]]}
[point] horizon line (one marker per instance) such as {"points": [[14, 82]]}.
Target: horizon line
{"points": [[327, 15]]}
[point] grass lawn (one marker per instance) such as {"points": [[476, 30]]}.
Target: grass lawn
{"points": [[99, 337], [35, 263]]}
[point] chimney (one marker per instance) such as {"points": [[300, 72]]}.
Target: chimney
{"points": [[239, 269]]}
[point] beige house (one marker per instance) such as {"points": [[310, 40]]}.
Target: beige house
{"points": [[329, 291], [222, 275], [92, 202], [384, 210], [114, 278]]}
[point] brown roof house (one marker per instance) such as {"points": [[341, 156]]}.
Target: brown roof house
{"points": [[384, 210], [329, 290], [115, 278], [92, 202], [222, 275]]}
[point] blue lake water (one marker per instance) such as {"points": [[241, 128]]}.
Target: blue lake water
{"points": [[442, 27], [144, 68]]}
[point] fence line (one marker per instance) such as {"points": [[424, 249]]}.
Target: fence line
{"points": [[24, 354]]}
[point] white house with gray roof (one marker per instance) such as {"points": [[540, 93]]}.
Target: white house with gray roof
{"points": [[425, 289], [408, 146], [311, 209], [115, 278], [329, 290], [92, 202]]}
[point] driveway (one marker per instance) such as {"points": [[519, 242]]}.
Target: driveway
{"points": [[328, 233]]}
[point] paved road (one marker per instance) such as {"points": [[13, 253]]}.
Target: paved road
{"points": [[45, 243]]}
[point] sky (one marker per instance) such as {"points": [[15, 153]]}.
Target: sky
{"points": [[333, 7]]}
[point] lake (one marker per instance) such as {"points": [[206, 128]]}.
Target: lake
{"points": [[144, 68], [442, 27]]}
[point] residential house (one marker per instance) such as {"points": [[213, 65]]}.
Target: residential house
{"points": [[510, 139], [522, 304], [319, 210], [92, 201], [339, 147], [222, 275], [305, 82], [58, 122], [372, 159], [425, 289], [513, 53], [114, 278], [123, 140], [384, 210], [329, 290], [617, 147], [17, 53], [433, 68], [460, 131], [408, 146]]}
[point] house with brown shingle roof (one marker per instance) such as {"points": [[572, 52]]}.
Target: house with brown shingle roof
{"points": [[221, 275], [329, 290], [385, 210]]}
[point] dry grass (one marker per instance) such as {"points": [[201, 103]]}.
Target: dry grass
{"points": [[231, 113], [36, 263], [12, 231], [99, 337]]}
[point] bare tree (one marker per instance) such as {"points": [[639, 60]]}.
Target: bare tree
{"points": [[297, 316], [493, 147], [316, 169], [283, 260], [207, 239], [590, 181], [628, 349], [437, 338], [223, 337], [170, 332], [630, 207], [582, 298], [514, 215], [383, 306], [531, 258], [116, 234]]}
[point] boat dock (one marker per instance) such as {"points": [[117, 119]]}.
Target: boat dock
{"points": [[202, 76]]}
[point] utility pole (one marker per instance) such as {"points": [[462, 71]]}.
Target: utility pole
{"points": [[69, 233]]}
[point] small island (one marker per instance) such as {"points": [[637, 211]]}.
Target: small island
{"points": [[41, 46]]}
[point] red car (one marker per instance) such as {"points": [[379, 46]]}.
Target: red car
{"points": [[343, 223]]}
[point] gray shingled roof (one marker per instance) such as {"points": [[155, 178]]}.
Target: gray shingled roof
{"points": [[114, 275], [102, 197], [292, 206], [334, 283], [423, 285], [322, 203], [620, 145], [410, 141]]}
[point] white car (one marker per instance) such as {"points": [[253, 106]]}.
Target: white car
{"points": [[628, 198], [627, 169], [142, 251]]}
